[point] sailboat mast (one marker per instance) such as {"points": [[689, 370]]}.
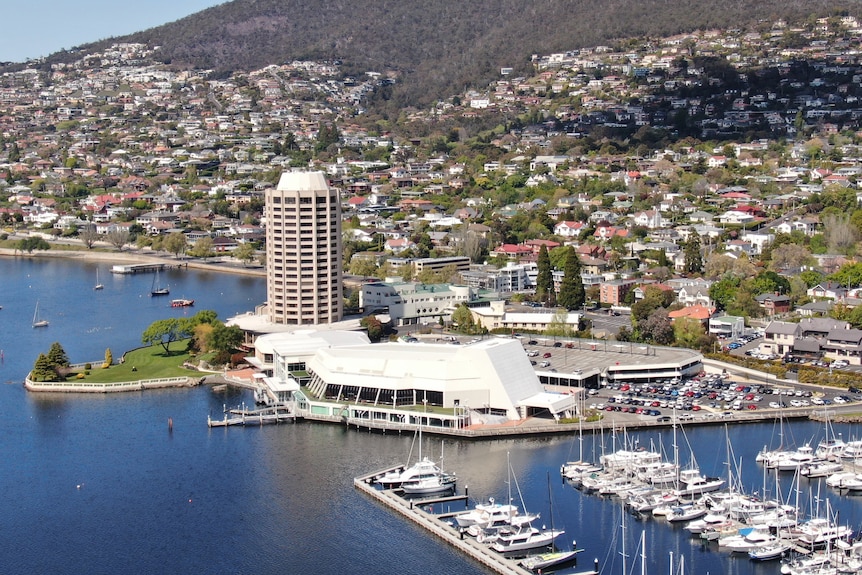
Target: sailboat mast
{"points": [[623, 529], [643, 552]]}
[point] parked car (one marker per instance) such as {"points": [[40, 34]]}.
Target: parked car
{"points": [[546, 355]]}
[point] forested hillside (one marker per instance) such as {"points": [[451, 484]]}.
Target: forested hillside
{"points": [[441, 46]]}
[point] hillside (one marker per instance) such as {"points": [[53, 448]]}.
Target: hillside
{"points": [[441, 46]]}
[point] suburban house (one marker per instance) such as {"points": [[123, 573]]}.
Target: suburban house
{"points": [[568, 229], [774, 303], [697, 312], [828, 290], [844, 344], [779, 337]]}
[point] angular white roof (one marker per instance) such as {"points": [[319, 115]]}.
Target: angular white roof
{"points": [[494, 372]]}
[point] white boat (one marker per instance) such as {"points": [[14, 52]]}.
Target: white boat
{"points": [[99, 285], [852, 453], [830, 449], [707, 522], [681, 513], [574, 471], [487, 514], [691, 483], [747, 539], [429, 484], [551, 559], [36, 321], [421, 468], [423, 477], [819, 531], [837, 480], [525, 539], [649, 502], [821, 469], [792, 460], [769, 552]]}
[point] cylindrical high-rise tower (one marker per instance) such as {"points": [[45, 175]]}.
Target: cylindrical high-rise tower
{"points": [[303, 250]]}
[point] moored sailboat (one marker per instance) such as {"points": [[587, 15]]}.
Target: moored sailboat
{"points": [[36, 321]]}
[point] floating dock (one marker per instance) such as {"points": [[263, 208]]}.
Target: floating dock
{"points": [[421, 512], [143, 268], [252, 417]]}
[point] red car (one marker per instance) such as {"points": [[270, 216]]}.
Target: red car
{"points": [[752, 406], [547, 354]]}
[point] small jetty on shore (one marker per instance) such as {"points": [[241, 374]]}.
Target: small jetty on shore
{"points": [[253, 417], [125, 269]]}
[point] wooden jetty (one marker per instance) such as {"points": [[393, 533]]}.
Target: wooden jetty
{"points": [[420, 511], [252, 417]]}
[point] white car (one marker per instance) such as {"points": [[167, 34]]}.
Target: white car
{"points": [[774, 405]]}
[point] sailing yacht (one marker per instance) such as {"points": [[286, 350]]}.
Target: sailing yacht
{"points": [[99, 285], [36, 321], [157, 289]]}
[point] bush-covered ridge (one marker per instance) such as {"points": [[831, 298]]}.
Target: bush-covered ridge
{"points": [[441, 45]]}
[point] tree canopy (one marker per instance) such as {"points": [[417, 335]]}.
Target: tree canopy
{"points": [[572, 293], [166, 331]]}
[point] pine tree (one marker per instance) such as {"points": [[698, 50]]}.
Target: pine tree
{"points": [[109, 359], [43, 370], [572, 293], [693, 258], [544, 278], [57, 356]]}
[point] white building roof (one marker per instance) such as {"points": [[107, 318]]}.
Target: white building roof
{"points": [[302, 181], [494, 372], [304, 342]]}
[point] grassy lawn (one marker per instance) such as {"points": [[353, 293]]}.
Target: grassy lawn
{"points": [[151, 363]]}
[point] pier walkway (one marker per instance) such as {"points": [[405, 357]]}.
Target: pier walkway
{"points": [[253, 417], [415, 511], [124, 269]]}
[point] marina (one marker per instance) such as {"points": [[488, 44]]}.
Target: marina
{"points": [[422, 513]]}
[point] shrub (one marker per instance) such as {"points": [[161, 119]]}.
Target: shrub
{"points": [[86, 372], [88, 366], [80, 376]]}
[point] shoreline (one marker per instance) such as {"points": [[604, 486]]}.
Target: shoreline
{"points": [[133, 257]]}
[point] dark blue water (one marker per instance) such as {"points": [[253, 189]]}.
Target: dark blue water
{"points": [[97, 484]]}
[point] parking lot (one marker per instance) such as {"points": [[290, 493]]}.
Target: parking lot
{"points": [[709, 398]]}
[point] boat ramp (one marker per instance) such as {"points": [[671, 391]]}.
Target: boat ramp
{"points": [[430, 514], [253, 417]]}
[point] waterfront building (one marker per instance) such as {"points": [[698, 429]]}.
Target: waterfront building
{"points": [[411, 303], [303, 250], [339, 374]]}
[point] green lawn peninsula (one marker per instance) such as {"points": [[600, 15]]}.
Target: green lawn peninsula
{"points": [[143, 363]]}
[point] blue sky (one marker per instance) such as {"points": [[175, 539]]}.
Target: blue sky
{"points": [[36, 28]]}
